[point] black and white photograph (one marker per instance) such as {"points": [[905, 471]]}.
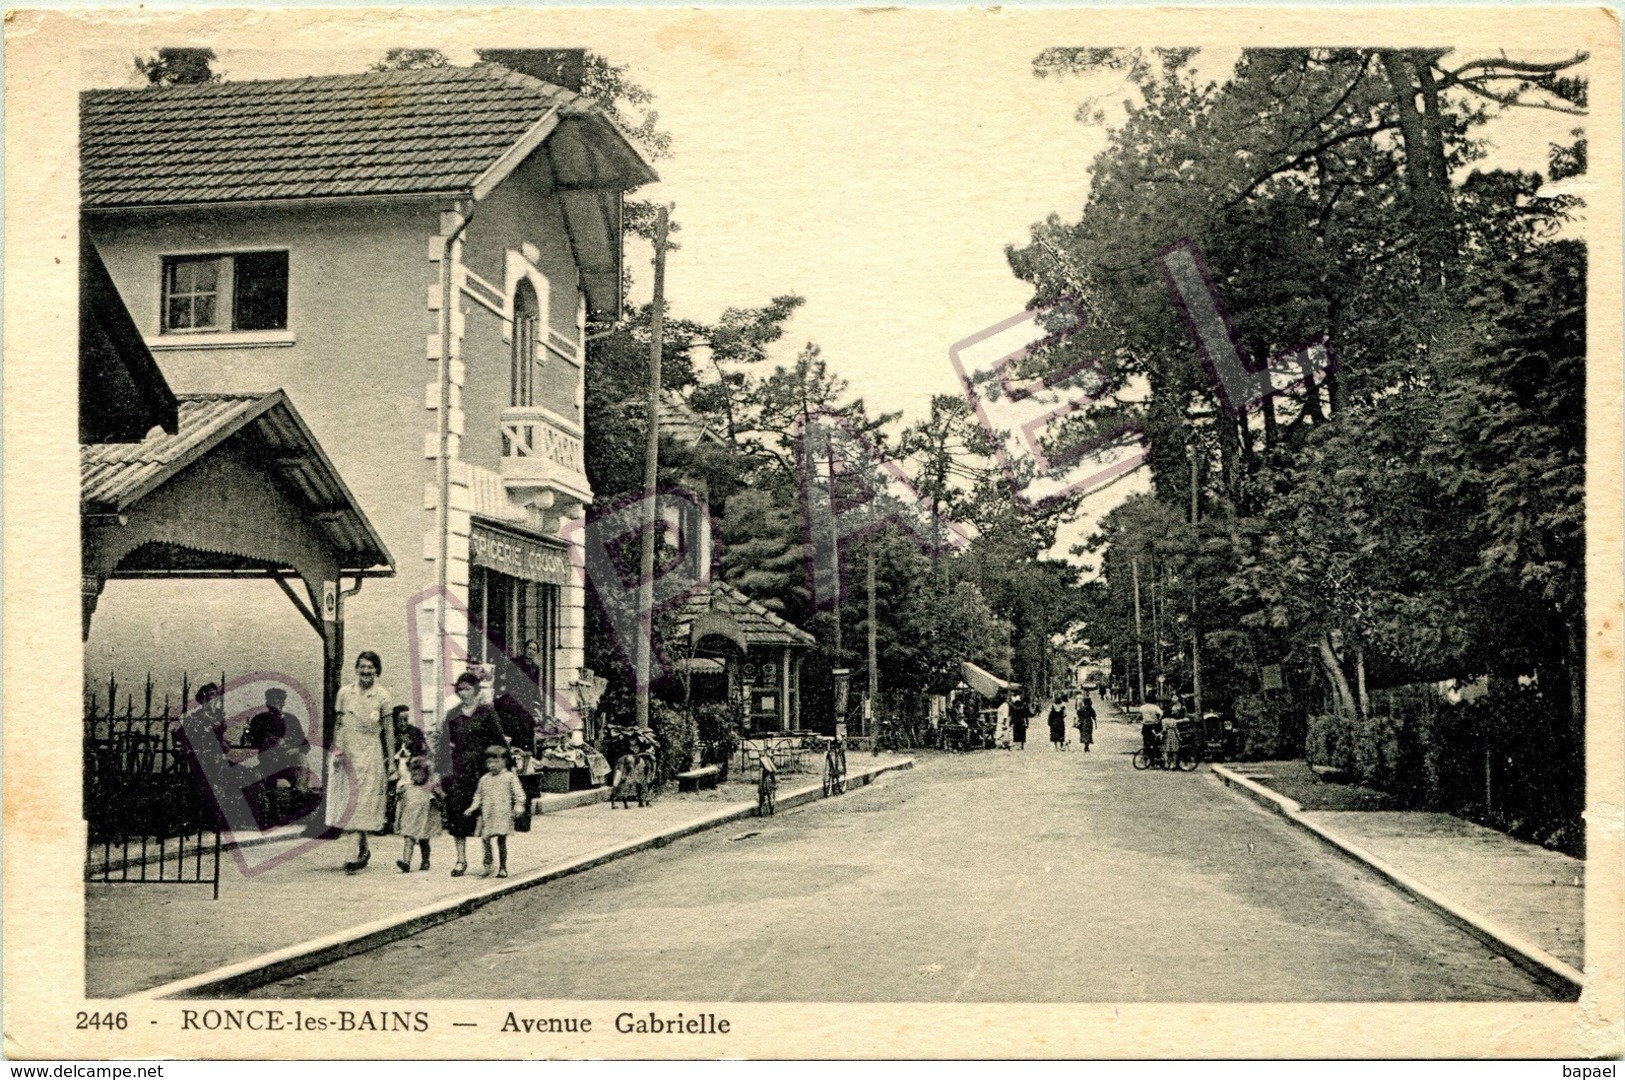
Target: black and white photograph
{"points": [[671, 513]]}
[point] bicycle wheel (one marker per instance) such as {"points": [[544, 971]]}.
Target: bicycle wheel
{"points": [[829, 778], [1186, 761], [1141, 760]]}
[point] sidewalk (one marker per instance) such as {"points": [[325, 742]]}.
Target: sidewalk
{"points": [[1525, 901], [295, 907]]}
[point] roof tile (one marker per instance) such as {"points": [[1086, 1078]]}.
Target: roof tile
{"points": [[398, 132]]}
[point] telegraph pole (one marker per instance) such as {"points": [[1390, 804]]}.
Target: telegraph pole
{"points": [[874, 672], [651, 468], [1139, 645], [1196, 633]]}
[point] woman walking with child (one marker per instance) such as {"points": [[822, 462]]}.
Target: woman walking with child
{"points": [[470, 727]]}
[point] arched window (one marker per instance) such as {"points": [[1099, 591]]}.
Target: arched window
{"points": [[527, 323]]}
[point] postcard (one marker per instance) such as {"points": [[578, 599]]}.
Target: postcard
{"points": [[1007, 532]]}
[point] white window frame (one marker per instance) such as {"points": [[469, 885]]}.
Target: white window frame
{"points": [[225, 297]]}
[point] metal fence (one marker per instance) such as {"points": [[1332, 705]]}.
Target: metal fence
{"points": [[148, 815]]}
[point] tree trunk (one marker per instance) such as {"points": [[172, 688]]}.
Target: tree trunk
{"points": [[1362, 703], [1342, 695], [1426, 172]]}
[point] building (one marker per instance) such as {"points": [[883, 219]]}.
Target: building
{"points": [[740, 651], [411, 259]]}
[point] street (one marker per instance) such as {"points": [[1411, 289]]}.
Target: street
{"points": [[991, 876]]}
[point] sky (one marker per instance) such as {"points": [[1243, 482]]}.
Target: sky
{"points": [[878, 168]]}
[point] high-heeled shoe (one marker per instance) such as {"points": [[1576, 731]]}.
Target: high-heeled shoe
{"points": [[460, 869]]}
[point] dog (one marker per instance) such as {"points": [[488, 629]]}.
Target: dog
{"points": [[633, 777]]}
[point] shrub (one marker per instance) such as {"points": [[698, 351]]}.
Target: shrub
{"points": [[675, 736], [718, 724]]}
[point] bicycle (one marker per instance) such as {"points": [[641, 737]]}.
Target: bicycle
{"points": [[834, 768], [767, 789], [1155, 757]]}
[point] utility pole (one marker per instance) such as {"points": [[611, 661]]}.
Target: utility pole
{"points": [[1139, 645], [1196, 633], [651, 467], [874, 671]]}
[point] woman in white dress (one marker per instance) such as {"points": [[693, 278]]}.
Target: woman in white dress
{"points": [[363, 741]]}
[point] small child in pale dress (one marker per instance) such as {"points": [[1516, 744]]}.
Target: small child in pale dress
{"points": [[417, 817], [498, 800]]}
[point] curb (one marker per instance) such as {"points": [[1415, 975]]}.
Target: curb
{"points": [[1548, 969], [306, 956]]}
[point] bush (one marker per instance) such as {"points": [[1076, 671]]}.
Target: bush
{"points": [[1505, 760], [718, 724], [676, 738], [1272, 726]]}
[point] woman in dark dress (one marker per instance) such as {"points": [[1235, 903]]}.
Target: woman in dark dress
{"points": [[1057, 724], [470, 728]]}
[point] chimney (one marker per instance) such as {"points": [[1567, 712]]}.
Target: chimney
{"points": [[561, 67]]}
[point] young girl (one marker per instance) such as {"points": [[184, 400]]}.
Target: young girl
{"points": [[417, 818], [498, 800]]}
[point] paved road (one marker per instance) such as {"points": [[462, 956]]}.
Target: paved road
{"points": [[1036, 876]]}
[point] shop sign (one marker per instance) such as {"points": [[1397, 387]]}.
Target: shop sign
{"points": [[517, 556]]}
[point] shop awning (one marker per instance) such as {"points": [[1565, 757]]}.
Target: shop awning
{"points": [[983, 682]]}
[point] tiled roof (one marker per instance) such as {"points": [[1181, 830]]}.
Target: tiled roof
{"points": [[113, 477], [381, 133], [759, 625], [682, 423]]}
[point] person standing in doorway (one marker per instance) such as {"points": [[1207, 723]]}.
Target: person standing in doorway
{"points": [[363, 744]]}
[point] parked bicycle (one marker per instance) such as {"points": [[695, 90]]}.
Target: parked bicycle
{"points": [[767, 788], [834, 767]]}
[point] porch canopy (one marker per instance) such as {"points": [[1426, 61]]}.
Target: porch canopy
{"points": [[241, 489]]}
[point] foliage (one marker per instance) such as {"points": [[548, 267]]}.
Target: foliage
{"points": [[718, 725], [412, 60], [675, 736], [178, 67]]}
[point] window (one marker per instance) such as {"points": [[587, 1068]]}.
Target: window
{"points": [[226, 292], [527, 323]]}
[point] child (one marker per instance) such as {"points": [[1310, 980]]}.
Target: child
{"points": [[417, 818], [498, 800]]}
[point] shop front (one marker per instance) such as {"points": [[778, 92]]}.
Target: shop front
{"points": [[514, 584]]}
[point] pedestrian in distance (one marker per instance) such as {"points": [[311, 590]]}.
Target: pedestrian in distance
{"points": [[1057, 723], [1003, 732], [497, 801], [1018, 728], [1086, 722], [417, 813]]}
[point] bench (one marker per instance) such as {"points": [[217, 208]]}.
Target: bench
{"points": [[695, 779]]}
